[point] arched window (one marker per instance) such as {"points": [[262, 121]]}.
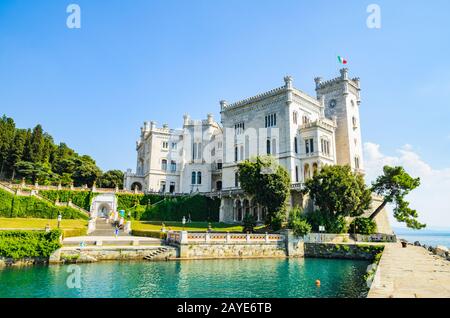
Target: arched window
{"points": [[194, 177], [173, 166], [164, 164], [199, 177], [306, 172], [295, 145], [268, 146], [315, 169]]}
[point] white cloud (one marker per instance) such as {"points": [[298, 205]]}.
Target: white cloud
{"points": [[432, 198]]}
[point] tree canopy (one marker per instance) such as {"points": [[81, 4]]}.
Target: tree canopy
{"points": [[33, 155], [394, 185], [268, 183], [339, 192]]}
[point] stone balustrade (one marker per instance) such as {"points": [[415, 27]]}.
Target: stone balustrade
{"points": [[185, 237]]}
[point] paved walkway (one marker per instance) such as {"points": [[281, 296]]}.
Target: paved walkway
{"points": [[411, 272]]}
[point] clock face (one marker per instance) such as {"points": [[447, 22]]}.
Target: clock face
{"points": [[332, 103]]}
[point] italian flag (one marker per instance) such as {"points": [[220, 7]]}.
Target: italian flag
{"points": [[342, 60]]}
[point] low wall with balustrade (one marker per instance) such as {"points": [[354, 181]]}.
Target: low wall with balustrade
{"points": [[228, 245]]}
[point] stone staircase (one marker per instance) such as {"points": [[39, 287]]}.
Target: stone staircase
{"points": [[156, 252], [105, 229]]}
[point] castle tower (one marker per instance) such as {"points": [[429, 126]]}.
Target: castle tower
{"points": [[341, 97]]}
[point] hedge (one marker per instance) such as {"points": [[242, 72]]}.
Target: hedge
{"points": [[154, 234], [13, 206], [81, 198], [199, 208], [21, 244]]}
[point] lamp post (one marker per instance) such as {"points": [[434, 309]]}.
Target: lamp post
{"points": [[59, 220]]}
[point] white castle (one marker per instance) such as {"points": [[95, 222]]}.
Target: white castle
{"points": [[302, 132]]}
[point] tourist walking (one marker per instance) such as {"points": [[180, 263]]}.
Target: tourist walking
{"points": [[116, 231]]}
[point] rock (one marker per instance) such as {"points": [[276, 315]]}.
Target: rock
{"points": [[416, 243], [441, 250]]}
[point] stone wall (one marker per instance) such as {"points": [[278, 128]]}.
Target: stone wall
{"points": [[28, 261], [345, 251], [93, 254], [199, 251]]}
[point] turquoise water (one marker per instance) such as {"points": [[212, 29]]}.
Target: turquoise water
{"points": [[199, 278]]}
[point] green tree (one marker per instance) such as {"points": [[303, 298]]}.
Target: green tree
{"points": [[339, 192], [85, 171], [17, 151], [36, 145], [111, 179], [269, 184], [35, 172], [394, 185]]}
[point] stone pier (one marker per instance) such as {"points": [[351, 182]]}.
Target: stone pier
{"points": [[411, 272]]}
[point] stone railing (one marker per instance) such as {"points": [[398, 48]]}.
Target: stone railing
{"points": [[185, 237]]}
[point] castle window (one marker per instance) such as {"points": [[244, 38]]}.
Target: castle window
{"points": [[295, 145], [165, 145], [172, 187], [305, 120], [197, 150], [294, 117], [174, 145], [199, 177], [173, 166], [325, 147], [162, 186], [271, 120], [268, 146], [164, 164], [355, 122], [309, 145], [356, 163], [239, 128], [219, 164], [194, 177], [236, 180], [274, 147], [296, 173], [236, 153]]}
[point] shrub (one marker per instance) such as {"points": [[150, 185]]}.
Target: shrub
{"points": [[21, 244], [249, 223], [332, 224], [154, 234], [298, 222], [74, 232], [363, 226]]}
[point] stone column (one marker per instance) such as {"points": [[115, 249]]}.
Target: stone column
{"points": [[184, 247]]}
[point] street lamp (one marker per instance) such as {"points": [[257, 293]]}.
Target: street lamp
{"points": [[59, 220]]}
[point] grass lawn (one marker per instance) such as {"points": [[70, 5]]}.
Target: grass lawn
{"points": [[192, 227], [25, 223]]}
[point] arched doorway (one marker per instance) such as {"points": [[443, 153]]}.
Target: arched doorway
{"points": [[103, 210], [136, 186]]}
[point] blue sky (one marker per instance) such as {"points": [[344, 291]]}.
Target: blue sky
{"points": [[141, 60]]}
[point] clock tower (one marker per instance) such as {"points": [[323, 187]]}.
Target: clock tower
{"points": [[342, 101]]}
